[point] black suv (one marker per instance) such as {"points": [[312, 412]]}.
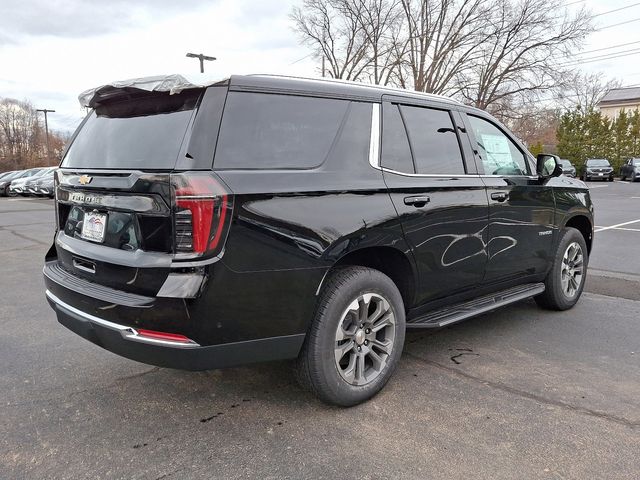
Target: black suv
{"points": [[264, 218]]}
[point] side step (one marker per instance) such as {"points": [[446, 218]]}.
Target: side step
{"points": [[456, 313]]}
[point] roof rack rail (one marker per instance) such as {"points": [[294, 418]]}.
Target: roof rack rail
{"points": [[362, 85]]}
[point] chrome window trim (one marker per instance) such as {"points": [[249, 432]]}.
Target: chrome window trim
{"points": [[129, 333], [432, 175], [374, 138]]}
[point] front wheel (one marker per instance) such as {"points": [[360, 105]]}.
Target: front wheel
{"points": [[356, 338], [565, 280]]}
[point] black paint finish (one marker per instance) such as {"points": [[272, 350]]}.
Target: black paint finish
{"points": [[461, 236]]}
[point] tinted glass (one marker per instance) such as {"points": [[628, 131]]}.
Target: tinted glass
{"points": [[598, 162], [499, 154], [277, 131], [433, 141], [146, 133], [350, 149], [396, 154]]}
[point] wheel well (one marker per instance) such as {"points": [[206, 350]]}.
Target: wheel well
{"points": [[583, 225], [393, 263]]}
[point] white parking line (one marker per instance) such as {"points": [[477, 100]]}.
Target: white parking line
{"points": [[591, 187], [627, 229], [601, 229]]}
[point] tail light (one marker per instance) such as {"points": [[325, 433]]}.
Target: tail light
{"points": [[202, 213]]}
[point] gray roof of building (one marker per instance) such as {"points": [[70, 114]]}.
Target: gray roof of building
{"points": [[624, 95]]}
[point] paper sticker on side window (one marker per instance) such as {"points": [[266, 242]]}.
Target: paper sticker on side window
{"points": [[497, 150]]}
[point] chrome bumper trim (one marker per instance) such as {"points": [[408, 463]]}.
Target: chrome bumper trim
{"points": [[128, 333]]}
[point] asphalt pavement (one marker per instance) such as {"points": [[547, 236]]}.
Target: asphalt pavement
{"points": [[517, 393]]}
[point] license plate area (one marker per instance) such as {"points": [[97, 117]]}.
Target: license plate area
{"points": [[94, 226]]}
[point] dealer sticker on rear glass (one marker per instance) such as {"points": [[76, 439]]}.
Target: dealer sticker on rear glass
{"points": [[93, 226]]}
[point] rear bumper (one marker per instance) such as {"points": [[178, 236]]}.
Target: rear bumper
{"points": [[125, 341]]}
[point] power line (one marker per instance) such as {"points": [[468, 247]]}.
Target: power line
{"points": [[603, 56], [609, 48], [611, 57], [303, 58], [617, 24], [615, 10]]}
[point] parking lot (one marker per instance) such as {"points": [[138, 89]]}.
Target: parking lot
{"points": [[517, 393]]}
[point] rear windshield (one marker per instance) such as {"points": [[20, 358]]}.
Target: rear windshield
{"points": [[598, 163], [146, 133]]}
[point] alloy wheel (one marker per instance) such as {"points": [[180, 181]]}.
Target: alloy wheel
{"points": [[572, 272], [364, 339]]}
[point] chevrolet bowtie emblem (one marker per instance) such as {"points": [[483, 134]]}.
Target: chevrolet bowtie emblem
{"points": [[85, 179]]}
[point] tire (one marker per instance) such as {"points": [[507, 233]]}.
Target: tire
{"points": [[611, 179], [561, 293], [329, 364]]}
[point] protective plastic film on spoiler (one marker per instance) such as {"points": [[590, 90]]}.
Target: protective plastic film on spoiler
{"points": [[173, 84]]}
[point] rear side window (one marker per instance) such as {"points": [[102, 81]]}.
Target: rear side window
{"points": [[270, 131], [434, 141], [146, 133], [396, 153]]}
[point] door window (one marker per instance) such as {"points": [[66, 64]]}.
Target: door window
{"points": [[499, 154], [433, 140], [396, 153]]}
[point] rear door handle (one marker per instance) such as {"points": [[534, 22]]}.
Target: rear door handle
{"points": [[416, 201], [499, 196]]}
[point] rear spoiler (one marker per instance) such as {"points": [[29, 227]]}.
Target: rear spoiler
{"points": [[137, 87]]}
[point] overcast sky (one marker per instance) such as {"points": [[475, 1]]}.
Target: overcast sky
{"points": [[51, 50]]}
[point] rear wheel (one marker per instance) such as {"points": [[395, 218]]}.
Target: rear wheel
{"points": [[565, 280], [356, 338]]}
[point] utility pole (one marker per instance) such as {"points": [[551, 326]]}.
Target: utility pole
{"points": [[46, 129], [202, 58]]}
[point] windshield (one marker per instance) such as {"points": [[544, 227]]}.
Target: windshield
{"points": [[598, 163], [28, 173], [145, 133], [565, 163], [41, 173], [636, 162]]}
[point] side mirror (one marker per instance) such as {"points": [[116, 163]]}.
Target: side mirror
{"points": [[548, 166]]}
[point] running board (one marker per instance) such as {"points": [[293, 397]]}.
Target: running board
{"points": [[462, 311]]}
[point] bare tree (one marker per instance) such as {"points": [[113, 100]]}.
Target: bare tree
{"points": [[22, 141], [19, 133], [335, 34], [585, 90], [443, 38], [523, 53], [381, 24]]}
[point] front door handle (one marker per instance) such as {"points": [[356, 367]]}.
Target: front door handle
{"points": [[416, 201], [499, 196]]}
